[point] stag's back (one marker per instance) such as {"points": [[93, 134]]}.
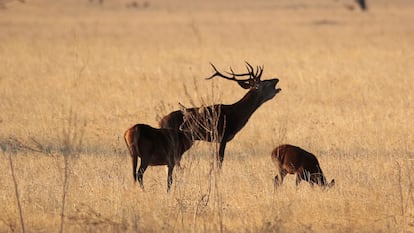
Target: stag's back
{"points": [[172, 120]]}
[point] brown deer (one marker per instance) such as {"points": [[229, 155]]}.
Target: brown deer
{"points": [[230, 118], [294, 160], [155, 147]]}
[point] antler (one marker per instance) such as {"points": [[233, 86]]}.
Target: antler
{"points": [[219, 74], [258, 73], [252, 75], [251, 81]]}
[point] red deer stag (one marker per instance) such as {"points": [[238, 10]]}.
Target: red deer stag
{"points": [[231, 118], [155, 147], [294, 160]]}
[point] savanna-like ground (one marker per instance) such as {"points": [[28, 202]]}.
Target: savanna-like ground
{"points": [[74, 75]]}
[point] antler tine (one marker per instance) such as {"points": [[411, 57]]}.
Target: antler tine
{"points": [[214, 70], [231, 72], [239, 75], [261, 72], [257, 74], [249, 68], [217, 73], [257, 71]]}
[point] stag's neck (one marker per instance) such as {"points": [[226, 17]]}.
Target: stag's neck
{"points": [[248, 104]]}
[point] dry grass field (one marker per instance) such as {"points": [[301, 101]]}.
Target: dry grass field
{"points": [[74, 75]]}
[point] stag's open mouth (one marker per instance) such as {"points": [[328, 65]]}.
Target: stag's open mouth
{"points": [[277, 89]]}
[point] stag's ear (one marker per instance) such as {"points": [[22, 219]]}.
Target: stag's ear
{"points": [[332, 183], [183, 108], [244, 84]]}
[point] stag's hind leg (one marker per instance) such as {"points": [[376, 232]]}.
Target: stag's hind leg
{"points": [[140, 173], [133, 152], [131, 139], [134, 167]]}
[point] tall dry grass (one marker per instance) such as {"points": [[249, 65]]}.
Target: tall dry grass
{"points": [[74, 76]]}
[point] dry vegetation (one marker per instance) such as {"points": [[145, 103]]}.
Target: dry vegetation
{"points": [[75, 75]]}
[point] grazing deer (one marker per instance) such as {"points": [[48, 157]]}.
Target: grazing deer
{"points": [[155, 147], [294, 160], [230, 118]]}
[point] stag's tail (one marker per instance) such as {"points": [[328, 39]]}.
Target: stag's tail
{"points": [[131, 137]]}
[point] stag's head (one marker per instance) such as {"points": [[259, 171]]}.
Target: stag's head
{"points": [[267, 88]]}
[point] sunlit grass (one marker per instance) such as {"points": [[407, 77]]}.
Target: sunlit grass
{"points": [[73, 82]]}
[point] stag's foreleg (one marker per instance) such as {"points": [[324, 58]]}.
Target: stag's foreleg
{"points": [[220, 157], [170, 178]]}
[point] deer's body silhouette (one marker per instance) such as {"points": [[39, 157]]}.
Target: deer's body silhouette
{"points": [[226, 119], [291, 159], [155, 147]]}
